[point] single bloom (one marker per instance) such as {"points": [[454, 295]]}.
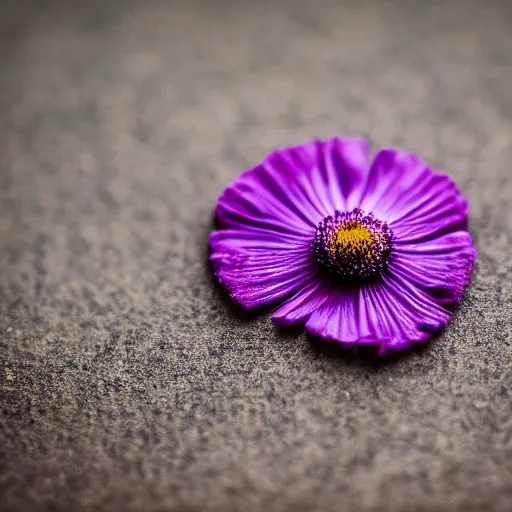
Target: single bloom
{"points": [[359, 251]]}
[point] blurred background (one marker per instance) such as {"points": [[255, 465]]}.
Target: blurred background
{"points": [[126, 381]]}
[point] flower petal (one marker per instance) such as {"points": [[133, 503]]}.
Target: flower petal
{"points": [[336, 319], [416, 201], [343, 163], [260, 269], [298, 308], [441, 267], [390, 313]]}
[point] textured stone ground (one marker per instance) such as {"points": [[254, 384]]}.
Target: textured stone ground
{"points": [[127, 383]]}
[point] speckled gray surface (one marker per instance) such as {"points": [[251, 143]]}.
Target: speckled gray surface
{"points": [[127, 383]]}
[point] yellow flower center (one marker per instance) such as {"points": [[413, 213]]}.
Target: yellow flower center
{"points": [[354, 240], [352, 246]]}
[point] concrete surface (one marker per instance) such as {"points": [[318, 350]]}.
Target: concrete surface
{"points": [[127, 382]]}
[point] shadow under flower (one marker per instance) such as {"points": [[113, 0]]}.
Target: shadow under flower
{"points": [[367, 355]]}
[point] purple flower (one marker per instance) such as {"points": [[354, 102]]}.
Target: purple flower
{"points": [[361, 252]]}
